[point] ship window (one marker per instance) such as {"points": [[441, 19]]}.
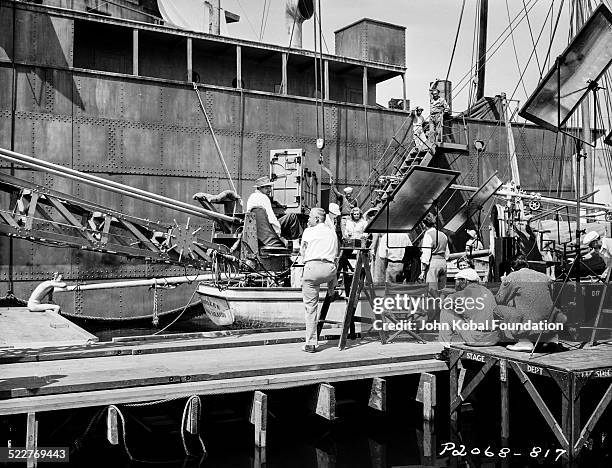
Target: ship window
{"points": [[300, 76], [261, 68], [103, 47], [163, 56], [346, 82], [214, 61]]}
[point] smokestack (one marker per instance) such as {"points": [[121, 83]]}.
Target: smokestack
{"points": [[296, 12]]}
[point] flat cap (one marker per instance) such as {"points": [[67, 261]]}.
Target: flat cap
{"points": [[468, 274], [590, 237]]}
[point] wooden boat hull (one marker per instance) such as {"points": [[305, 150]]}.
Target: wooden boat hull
{"points": [[270, 307]]}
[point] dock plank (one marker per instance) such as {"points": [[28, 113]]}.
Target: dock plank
{"points": [[150, 345], [93, 374], [212, 387], [20, 328]]}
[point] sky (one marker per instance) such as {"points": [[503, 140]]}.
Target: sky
{"points": [[431, 26]]}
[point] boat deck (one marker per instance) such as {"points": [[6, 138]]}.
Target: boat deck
{"points": [[20, 328], [144, 370]]}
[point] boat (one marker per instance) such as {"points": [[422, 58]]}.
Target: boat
{"points": [[108, 89], [251, 307], [122, 105]]}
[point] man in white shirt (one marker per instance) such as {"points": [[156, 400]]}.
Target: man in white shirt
{"points": [[391, 250], [434, 254], [600, 245], [318, 251], [288, 226]]}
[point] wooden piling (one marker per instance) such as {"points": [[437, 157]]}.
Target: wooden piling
{"points": [[32, 439], [505, 410], [426, 395], [325, 402], [194, 413], [259, 417], [378, 394], [112, 425]]}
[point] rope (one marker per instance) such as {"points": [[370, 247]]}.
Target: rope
{"points": [[179, 315], [212, 132], [183, 423], [155, 304], [456, 39]]}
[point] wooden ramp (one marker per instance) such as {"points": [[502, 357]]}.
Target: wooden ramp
{"points": [[20, 328], [149, 371]]}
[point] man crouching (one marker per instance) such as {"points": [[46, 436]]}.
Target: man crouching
{"points": [[467, 314], [318, 250]]}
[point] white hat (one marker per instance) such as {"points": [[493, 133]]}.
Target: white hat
{"points": [[471, 233], [263, 182], [590, 237], [334, 209], [468, 274], [348, 190]]}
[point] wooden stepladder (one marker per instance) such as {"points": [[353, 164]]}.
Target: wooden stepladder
{"points": [[361, 282]]}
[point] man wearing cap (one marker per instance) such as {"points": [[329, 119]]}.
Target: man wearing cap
{"points": [[418, 122], [437, 108], [288, 226], [471, 303], [601, 246], [318, 251], [434, 247]]}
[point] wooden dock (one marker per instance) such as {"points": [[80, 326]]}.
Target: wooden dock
{"points": [[20, 328], [573, 371], [149, 369]]}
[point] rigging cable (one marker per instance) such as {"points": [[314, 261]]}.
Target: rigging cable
{"points": [[552, 34], [494, 44], [518, 65], [456, 39], [263, 18], [321, 73], [249, 20], [531, 56], [531, 34], [488, 57]]}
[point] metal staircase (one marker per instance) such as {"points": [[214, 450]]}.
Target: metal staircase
{"points": [[403, 152]]}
